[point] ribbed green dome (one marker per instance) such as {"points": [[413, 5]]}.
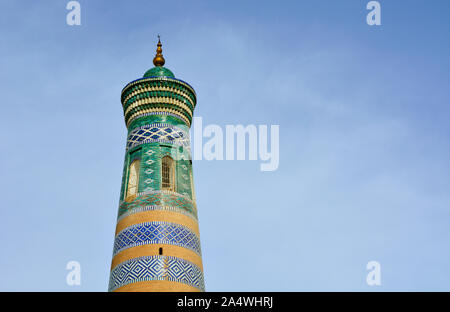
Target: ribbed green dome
{"points": [[159, 71]]}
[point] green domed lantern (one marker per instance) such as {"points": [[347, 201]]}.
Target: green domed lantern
{"points": [[159, 72]]}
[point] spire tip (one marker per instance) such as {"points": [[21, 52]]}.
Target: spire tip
{"points": [[159, 60]]}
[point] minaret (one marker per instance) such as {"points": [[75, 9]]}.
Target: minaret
{"points": [[157, 241]]}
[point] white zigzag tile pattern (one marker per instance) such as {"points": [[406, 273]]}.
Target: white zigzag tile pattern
{"points": [[158, 132], [160, 268]]}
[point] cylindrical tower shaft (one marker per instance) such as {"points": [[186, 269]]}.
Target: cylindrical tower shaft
{"points": [[157, 240]]}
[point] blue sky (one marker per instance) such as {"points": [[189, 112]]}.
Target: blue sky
{"points": [[364, 139]]}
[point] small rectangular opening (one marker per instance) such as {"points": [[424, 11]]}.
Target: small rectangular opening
{"points": [[160, 251]]}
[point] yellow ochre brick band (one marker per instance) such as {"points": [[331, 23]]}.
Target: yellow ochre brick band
{"points": [[158, 215], [153, 249], [160, 286]]}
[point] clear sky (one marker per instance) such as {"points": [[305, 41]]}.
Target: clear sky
{"points": [[363, 112]]}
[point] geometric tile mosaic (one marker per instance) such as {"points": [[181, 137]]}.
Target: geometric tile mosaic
{"points": [[157, 232], [152, 208], [159, 198], [151, 268], [149, 171], [156, 114], [158, 132]]}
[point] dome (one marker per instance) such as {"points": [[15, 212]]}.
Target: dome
{"points": [[159, 71]]}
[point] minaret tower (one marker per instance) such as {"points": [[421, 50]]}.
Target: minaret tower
{"points": [[157, 241]]}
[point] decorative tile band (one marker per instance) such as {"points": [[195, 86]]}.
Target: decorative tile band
{"points": [[158, 113], [156, 232], [158, 85], [155, 91], [167, 192], [150, 110], [153, 207], [159, 198], [159, 100], [158, 132], [160, 81], [161, 268]]}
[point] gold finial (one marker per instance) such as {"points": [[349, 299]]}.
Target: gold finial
{"points": [[159, 60]]}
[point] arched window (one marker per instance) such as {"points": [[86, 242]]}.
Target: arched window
{"points": [[167, 174], [133, 178]]}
